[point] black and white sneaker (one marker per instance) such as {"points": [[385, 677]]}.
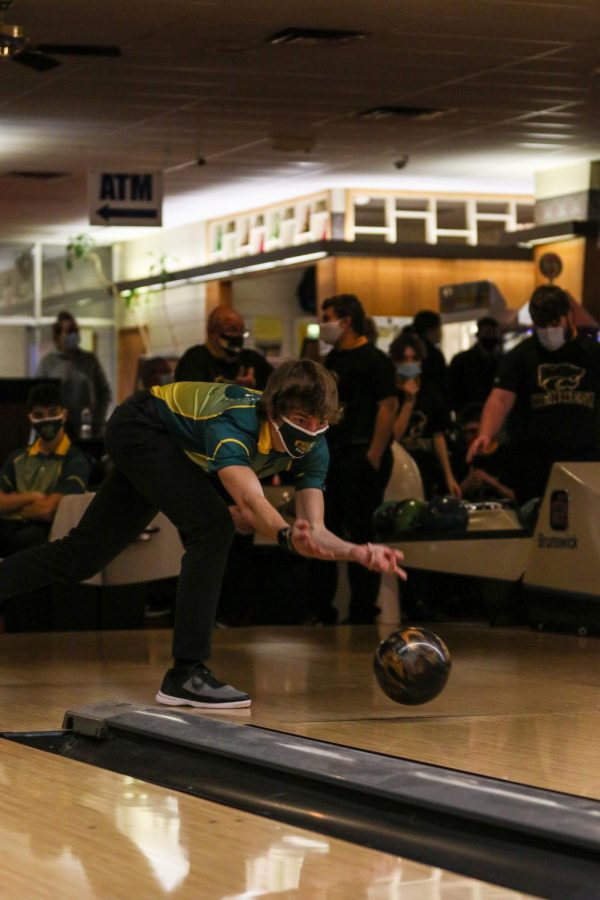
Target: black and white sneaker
{"points": [[198, 686]]}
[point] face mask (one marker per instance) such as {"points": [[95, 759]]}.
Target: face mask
{"points": [[552, 338], [331, 332], [47, 429], [71, 340], [296, 440], [408, 369], [231, 344], [489, 343]]}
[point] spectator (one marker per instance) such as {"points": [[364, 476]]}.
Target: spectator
{"points": [[223, 358], [371, 330], [423, 417], [154, 372], [471, 373], [84, 384], [359, 446], [428, 326], [487, 476], [34, 479], [547, 390]]}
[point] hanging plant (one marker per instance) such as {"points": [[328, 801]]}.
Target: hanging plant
{"points": [[79, 247]]}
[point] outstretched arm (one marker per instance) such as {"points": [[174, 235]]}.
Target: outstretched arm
{"points": [[310, 534], [309, 537]]}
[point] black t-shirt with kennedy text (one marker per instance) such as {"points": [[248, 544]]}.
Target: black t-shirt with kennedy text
{"points": [[557, 392], [365, 377]]}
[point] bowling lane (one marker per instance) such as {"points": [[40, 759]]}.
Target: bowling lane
{"points": [[519, 705], [71, 830]]}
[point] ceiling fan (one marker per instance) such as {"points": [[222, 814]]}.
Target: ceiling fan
{"points": [[16, 47]]}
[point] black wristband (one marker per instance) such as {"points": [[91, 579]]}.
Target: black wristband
{"points": [[284, 539]]}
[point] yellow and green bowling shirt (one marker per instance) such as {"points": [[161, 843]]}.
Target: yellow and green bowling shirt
{"points": [[64, 471], [217, 425]]}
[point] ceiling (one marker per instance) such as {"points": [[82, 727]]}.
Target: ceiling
{"points": [[517, 81]]}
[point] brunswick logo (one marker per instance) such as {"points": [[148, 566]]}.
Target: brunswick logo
{"points": [[557, 543]]}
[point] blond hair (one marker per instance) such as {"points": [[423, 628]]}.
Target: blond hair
{"points": [[301, 384]]}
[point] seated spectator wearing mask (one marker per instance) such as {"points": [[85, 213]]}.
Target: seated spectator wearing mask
{"points": [[547, 390], [83, 382], [34, 479], [487, 476], [423, 417], [223, 357], [471, 373]]}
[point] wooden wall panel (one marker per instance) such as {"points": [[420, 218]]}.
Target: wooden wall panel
{"points": [[131, 344], [392, 287], [218, 293], [326, 278]]}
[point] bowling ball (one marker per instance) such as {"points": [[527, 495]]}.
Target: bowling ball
{"points": [[384, 517], [445, 514], [408, 515], [412, 665]]}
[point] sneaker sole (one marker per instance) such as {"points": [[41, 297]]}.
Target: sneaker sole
{"points": [[198, 704]]}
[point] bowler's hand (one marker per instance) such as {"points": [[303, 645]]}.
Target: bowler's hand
{"points": [[379, 558]]}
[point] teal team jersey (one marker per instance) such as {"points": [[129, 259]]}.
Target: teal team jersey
{"points": [[217, 425], [64, 471]]}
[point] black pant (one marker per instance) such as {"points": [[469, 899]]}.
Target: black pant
{"points": [[354, 490], [151, 473], [17, 535]]}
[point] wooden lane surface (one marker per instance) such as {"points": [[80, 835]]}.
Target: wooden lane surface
{"points": [[70, 830], [519, 705]]}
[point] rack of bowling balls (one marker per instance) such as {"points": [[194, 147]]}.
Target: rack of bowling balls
{"points": [[397, 518]]}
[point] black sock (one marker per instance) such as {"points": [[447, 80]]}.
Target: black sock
{"points": [[183, 663]]}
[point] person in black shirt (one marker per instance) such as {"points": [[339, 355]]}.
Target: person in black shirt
{"points": [[472, 372], [487, 476], [548, 391], [428, 326], [359, 447], [423, 417], [223, 357]]}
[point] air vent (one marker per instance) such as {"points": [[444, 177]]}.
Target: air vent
{"points": [[402, 112], [36, 175], [315, 36]]}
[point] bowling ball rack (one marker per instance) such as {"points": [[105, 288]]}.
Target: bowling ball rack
{"points": [[532, 840]]}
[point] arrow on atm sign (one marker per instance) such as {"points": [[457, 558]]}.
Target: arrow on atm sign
{"points": [[110, 212]]}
